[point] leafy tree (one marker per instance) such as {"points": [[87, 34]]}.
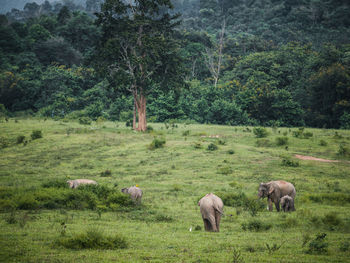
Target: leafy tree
{"points": [[138, 49]]}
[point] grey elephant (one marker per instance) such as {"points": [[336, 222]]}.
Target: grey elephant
{"points": [[134, 192], [287, 203], [211, 208], [75, 183], [274, 190]]}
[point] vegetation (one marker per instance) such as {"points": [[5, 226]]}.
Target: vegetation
{"points": [[51, 221]]}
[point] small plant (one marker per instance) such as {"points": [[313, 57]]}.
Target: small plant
{"points": [[106, 173], [307, 135], [186, 133], [11, 218], [323, 143], [225, 170], [344, 246], [260, 132], [236, 256], [221, 142], [156, 143], [197, 145], [198, 228], [306, 239], [274, 247], [332, 220], [4, 142], [286, 161], [263, 143], [20, 139], [231, 151], [55, 184], [36, 134], [150, 128], [281, 141], [163, 218], [85, 120], [343, 151], [212, 147], [337, 136], [318, 245], [256, 225]]}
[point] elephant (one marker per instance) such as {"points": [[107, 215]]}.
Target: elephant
{"points": [[274, 190], [211, 208], [75, 183], [134, 192], [287, 203]]}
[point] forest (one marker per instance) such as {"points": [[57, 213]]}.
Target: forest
{"points": [[232, 62]]}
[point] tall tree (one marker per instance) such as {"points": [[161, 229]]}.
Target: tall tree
{"points": [[138, 49]]}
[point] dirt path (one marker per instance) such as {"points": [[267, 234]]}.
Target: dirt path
{"points": [[303, 157]]}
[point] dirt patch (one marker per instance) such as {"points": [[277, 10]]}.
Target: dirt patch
{"points": [[303, 157]]}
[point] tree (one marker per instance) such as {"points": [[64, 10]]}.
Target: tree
{"points": [[138, 49]]}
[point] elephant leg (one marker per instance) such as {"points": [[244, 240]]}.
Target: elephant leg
{"points": [[212, 222], [207, 225], [270, 204], [277, 204], [217, 220]]}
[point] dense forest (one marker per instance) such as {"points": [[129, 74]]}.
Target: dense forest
{"points": [[233, 62]]}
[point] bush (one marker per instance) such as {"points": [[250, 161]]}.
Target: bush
{"points": [[20, 139], [225, 170], [344, 246], [331, 198], [281, 141], [85, 120], [332, 221], [323, 143], [27, 202], [197, 145], [256, 225], [92, 239], [106, 173], [118, 199], [343, 151], [260, 132], [163, 218], [186, 133], [286, 161], [36, 134], [212, 147], [4, 142], [230, 151], [318, 245], [263, 143], [55, 183], [156, 143]]}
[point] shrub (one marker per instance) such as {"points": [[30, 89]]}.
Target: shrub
{"points": [[281, 141], [85, 120], [118, 199], [106, 173], [4, 142], [198, 228], [323, 143], [332, 198], [286, 161], [156, 143], [20, 139], [225, 170], [212, 147], [260, 132], [344, 246], [332, 220], [256, 225], [343, 151], [233, 199], [27, 202], [55, 183], [221, 142], [231, 151], [163, 218], [263, 143], [318, 245], [92, 239], [197, 145], [149, 128], [36, 134], [186, 133], [307, 135]]}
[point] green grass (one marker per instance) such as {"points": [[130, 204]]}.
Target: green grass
{"points": [[173, 178]]}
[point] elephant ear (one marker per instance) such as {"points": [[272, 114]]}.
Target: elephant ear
{"points": [[271, 189]]}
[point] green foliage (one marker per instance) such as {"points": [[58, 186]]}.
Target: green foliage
{"points": [[212, 147], [55, 183], [343, 150], [20, 139], [281, 141], [323, 143], [157, 143], [256, 226], [330, 198], [260, 132], [85, 120], [36, 134], [318, 245], [287, 161], [106, 173], [92, 239], [263, 143]]}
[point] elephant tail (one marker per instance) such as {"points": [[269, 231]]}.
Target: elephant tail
{"points": [[219, 211]]}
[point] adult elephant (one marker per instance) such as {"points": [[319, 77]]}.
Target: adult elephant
{"points": [[211, 208], [274, 191]]}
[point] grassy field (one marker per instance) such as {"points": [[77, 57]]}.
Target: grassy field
{"points": [[43, 221]]}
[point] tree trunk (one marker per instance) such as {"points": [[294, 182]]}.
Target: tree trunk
{"points": [[134, 115], [141, 110]]}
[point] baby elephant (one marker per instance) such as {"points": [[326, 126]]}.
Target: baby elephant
{"points": [[134, 192], [211, 207], [287, 203], [75, 183]]}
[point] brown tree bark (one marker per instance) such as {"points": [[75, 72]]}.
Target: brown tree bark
{"points": [[140, 103]]}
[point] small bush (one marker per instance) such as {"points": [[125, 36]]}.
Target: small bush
{"points": [[225, 170], [85, 120], [149, 128], [323, 143], [118, 199], [197, 145], [186, 133], [263, 143], [231, 152], [92, 239], [198, 228], [163, 218], [343, 151], [212, 147], [55, 183], [330, 198], [286, 161], [256, 225], [332, 221], [344, 246], [36, 134], [307, 135], [156, 143], [260, 132], [27, 202], [106, 173], [20, 139], [281, 141], [4, 142], [221, 142], [318, 245]]}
